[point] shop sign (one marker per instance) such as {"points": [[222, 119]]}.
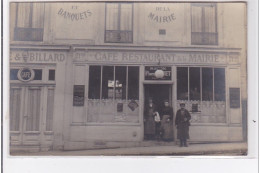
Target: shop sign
{"points": [[37, 57], [162, 15], [74, 15], [158, 73], [156, 58], [119, 107], [234, 96], [25, 74], [78, 95], [132, 105]]}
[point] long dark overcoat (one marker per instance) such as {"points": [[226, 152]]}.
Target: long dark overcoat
{"points": [[182, 121]]}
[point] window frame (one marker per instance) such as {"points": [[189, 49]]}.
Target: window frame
{"points": [[114, 75], [16, 37], [118, 22], [202, 6], [201, 86]]}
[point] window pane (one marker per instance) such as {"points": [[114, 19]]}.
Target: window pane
{"points": [[196, 19], [126, 17], [204, 24], [207, 84], [133, 83], [29, 22], [210, 19], [37, 15], [38, 74], [182, 83], [119, 23], [13, 74], [194, 83], [94, 82], [49, 113], [23, 15], [34, 103], [15, 108], [108, 82], [112, 16], [51, 74], [219, 84], [120, 82]]}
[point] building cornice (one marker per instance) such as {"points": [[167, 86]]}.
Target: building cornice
{"points": [[56, 47]]}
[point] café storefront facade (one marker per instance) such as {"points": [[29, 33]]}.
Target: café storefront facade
{"points": [[109, 100], [76, 96]]}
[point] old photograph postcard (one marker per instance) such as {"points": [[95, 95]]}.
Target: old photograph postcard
{"points": [[128, 78]]}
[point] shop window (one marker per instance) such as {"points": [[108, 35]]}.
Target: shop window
{"points": [[120, 82], [114, 86], [219, 84], [133, 83], [51, 75], [94, 82], [182, 83], [29, 22], [207, 84], [194, 76], [108, 82], [119, 23], [113, 94], [13, 74], [206, 97], [204, 24]]}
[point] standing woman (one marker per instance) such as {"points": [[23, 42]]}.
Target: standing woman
{"points": [[166, 122], [182, 122], [149, 120]]}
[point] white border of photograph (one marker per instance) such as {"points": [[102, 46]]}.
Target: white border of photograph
{"points": [[192, 164]]}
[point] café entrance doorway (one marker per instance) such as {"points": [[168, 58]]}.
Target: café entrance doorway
{"points": [[159, 93]]}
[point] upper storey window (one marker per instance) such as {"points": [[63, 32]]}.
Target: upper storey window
{"points": [[204, 24], [29, 22], [119, 23]]}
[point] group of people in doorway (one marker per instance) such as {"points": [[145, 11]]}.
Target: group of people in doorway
{"points": [[158, 123]]}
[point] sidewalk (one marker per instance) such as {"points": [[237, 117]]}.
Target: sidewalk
{"points": [[219, 149]]}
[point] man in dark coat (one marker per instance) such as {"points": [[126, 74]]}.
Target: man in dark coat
{"points": [[149, 120], [182, 121]]}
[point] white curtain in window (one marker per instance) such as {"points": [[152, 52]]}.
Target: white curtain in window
{"points": [[126, 17], [23, 15], [38, 15], [24, 12], [196, 17], [210, 19], [112, 17]]}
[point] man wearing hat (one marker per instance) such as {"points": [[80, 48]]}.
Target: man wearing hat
{"points": [[182, 121]]}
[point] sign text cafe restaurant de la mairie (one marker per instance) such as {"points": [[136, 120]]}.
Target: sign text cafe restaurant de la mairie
{"points": [[82, 96]]}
